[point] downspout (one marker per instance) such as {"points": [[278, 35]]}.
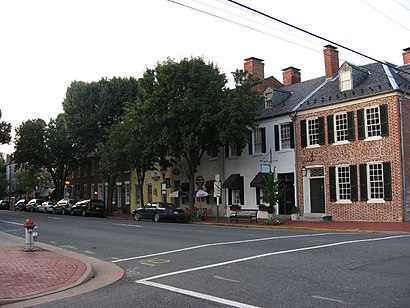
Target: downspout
{"points": [[403, 173], [296, 178]]}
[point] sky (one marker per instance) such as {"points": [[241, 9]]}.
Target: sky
{"points": [[47, 44]]}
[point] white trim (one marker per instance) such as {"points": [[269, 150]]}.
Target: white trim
{"points": [[390, 76]]}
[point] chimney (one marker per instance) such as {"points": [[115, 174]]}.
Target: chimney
{"points": [[255, 67], [331, 61], [406, 56], [291, 75]]}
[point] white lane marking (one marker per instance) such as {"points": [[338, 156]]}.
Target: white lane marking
{"points": [[55, 218], [69, 247], [329, 299], [198, 295], [12, 222], [125, 225], [271, 254], [89, 252], [220, 244], [226, 279]]}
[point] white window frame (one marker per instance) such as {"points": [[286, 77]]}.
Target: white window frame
{"points": [[127, 189], [339, 131], [236, 196], [346, 81], [137, 194], [372, 130], [343, 184], [312, 132], [375, 182], [283, 138], [257, 141], [268, 104]]}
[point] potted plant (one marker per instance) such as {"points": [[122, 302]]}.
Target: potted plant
{"points": [[295, 214]]}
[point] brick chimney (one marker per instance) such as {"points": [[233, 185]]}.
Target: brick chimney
{"points": [[255, 67], [406, 56], [291, 75], [331, 61]]}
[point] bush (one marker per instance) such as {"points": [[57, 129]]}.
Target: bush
{"points": [[195, 216]]}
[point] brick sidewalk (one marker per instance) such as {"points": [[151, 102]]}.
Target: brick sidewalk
{"points": [[27, 274]]}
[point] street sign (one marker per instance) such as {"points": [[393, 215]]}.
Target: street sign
{"points": [[217, 189]]}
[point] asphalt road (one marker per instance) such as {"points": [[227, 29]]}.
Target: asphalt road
{"points": [[192, 265]]}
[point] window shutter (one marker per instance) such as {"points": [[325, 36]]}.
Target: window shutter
{"points": [[353, 183], [258, 196], [276, 128], [332, 183], [384, 120], [360, 124], [330, 130], [350, 126], [387, 181], [250, 144], [321, 121], [227, 150], [238, 151], [363, 182], [292, 136], [230, 196], [303, 133], [263, 140]]}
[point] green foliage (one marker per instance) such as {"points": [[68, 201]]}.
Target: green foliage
{"points": [[28, 177], [195, 216], [272, 190], [3, 176], [275, 222], [5, 130]]}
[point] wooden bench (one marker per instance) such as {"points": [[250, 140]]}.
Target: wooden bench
{"points": [[251, 214]]}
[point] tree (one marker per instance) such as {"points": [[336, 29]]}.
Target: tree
{"points": [[5, 130], [3, 176], [28, 179], [190, 111], [273, 190]]}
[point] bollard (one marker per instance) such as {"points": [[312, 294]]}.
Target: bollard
{"points": [[29, 235]]}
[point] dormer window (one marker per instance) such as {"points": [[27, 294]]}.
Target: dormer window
{"points": [[268, 104], [346, 82], [268, 98]]}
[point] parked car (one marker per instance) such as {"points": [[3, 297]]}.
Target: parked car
{"points": [[64, 206], [20, 205], [33, 204], [4, 205], [160, 211], [46, 207], [89, 207]]}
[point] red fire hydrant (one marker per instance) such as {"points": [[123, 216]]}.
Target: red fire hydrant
{"points": [[30, 235]]}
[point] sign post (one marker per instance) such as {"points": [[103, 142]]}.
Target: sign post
{"points": [[217, 194]]}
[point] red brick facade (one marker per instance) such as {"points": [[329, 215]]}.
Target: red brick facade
{"points": [[385, 149]]}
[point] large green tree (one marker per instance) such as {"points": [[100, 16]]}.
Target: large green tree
{"points": [[5, 130], [190, 110]]}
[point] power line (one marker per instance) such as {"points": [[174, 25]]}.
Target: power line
{"points": [[317, 36]]}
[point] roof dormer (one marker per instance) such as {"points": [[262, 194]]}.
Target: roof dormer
{"points": [[350, 76], [274, 96]]}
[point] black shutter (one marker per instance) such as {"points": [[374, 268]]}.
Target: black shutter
{"points": [[303, 134], [250, 144], [332, 183], [350, 126], [230, 196], [238, 151], [330, 130], [363, 182], [258, 196], [387, 181], [227, 150], [321, 122], [263, 140], [384, 120], [276, 128], [360, 124], [353, 183], [242, 196], [292, 136]]}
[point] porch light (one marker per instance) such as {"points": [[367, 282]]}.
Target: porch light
{"points": [[304, 171]]}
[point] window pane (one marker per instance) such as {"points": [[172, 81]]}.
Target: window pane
{"points": [[285, 136], [343, 183], [313, 131], [341, 127], [376, 186], [258, 140], [373, 122]]}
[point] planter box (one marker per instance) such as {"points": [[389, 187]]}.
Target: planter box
{"points": [[295, 216]]}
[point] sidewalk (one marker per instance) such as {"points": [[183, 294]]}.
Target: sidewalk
{"points": [[48, 270]]}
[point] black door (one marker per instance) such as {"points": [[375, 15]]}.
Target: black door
{"points": [[317, 195], [288, 200]]}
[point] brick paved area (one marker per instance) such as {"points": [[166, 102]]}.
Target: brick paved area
{"points": [[24, 274]]}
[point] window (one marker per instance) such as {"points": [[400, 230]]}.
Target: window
{"points": [[268, 104], [92, 167], [341, 128], [343, 183], [137, 194], [127, 188], [257, 141], [313, 131], [149, 192], [346, 81], [285, 136], [375, 181], [373, 122], [236, 196]]}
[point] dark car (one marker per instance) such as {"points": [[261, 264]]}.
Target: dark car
{"points": [[33, 204], [4, 205], [64, 206], [160, 211], [89, 207], [20, 205]]}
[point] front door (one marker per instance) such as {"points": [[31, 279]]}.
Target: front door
{"points": [[317, 195], [287, 202]]}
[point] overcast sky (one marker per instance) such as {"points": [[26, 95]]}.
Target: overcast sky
{"points": [[47, 44]]}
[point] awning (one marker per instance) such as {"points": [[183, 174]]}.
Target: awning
{"points": [[258, 180], [234, 181]]}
